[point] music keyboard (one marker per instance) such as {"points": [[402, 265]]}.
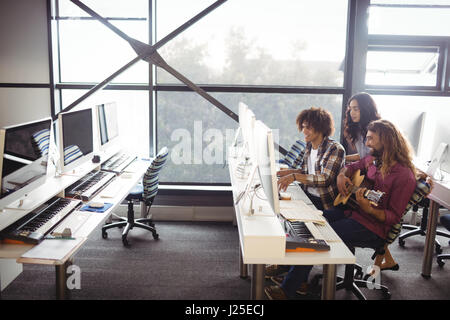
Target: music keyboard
{"points": [[118, 162], [34, 226], [304, 236], [88, 186]]}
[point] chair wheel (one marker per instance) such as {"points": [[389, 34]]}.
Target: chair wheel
{"points": [[125, 241], [440, 262], [155, 236], [359, 274], [104, 234], [401, 242], [386, 295], [438, 249]]}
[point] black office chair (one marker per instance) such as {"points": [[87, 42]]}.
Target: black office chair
{"points": [[421, 230], [445, 221], [144, 193], [294, 158]]}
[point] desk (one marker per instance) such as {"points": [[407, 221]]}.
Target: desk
{"points": [[263, 241], [440, 195], [55, 185]]}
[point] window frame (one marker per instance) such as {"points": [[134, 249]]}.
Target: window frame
{"points": [[414, 44], [154, 87]]}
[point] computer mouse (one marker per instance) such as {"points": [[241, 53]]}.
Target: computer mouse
{"points": [[96, 204]]}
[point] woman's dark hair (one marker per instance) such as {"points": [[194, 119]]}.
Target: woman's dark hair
{"points": [[368, 113], [319, 119]]}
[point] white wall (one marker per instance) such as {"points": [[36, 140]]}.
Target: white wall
{"points": [[406, 112], [23, 59]]}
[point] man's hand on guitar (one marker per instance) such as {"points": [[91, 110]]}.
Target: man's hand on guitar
{"points": [[363, 203], [344, 184]]}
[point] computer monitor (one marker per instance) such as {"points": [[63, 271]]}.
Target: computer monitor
{"points": [[24, 151], [108, 126], [247, 123], [75, 138], [265, 161]]}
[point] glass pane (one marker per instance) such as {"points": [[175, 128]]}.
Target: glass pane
{"points": [[90, 52], [401, 68], [404, 21], [106, 8], [133, 114], [256, 42], [198, 134]]}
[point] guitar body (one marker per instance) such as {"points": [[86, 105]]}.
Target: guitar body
{"points": [[357, 180]]}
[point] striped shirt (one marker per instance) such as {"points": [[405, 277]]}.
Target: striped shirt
{"points": [[330, 160]]}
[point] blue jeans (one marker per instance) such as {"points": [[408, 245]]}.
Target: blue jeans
{"points": [[352, 233]]}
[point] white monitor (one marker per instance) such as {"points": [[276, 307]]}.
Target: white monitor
{"points": [[265, 161], [437, 159], [24, 151], [75, 138], [108, 126], [247, 123]]}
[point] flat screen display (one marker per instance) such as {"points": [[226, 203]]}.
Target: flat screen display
{"points": [[108, 122], [77, 134], [24, 155]]}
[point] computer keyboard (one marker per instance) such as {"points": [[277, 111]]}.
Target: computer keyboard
{"points": [[73, 221], [34, 226], [88, 186], [303, 236], [111, 190], [118, 162], [327, 232]]}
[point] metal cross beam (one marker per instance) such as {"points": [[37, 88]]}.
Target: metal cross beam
{"points": [[148, 53]]}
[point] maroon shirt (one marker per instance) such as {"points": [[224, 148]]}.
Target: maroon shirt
{"points": [[398, 186]]}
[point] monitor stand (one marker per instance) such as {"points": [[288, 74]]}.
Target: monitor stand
{"points": [[249, 188]]}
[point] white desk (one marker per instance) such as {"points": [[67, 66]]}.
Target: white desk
{"points": [[54, 186], [440, 195], [263, 241]]}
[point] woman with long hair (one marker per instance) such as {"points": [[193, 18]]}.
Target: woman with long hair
{"points": [[361, 110]]}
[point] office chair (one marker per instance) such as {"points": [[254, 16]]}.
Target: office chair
{"points": [[145, 193], [294, 158], [71, 153], [41, 141], [421, 230], [351, 280], [445, 221]]}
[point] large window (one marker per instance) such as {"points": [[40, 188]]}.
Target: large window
{"points": [[278, 57], [408, 46], [410, 17], [90, 52], [255, 42], [199, 135]]}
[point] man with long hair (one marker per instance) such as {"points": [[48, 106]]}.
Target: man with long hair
{"points": [[390, 170]]}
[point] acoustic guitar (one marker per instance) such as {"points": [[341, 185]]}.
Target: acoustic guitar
{"points": [[358, 182]]}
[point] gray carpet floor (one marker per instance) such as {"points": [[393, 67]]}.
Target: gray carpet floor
{"points": [[200, 261]]}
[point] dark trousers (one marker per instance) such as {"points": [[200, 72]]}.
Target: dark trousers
{"points": [[352, 233], [317, 202]]}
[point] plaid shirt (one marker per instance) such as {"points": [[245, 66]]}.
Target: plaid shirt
{"points": [[330, 160]]}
